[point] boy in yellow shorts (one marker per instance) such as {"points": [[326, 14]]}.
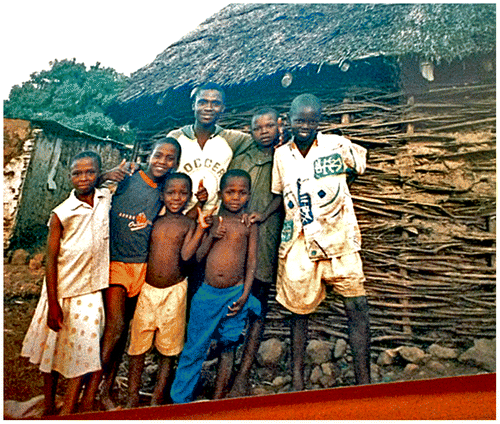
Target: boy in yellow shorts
{"points": [[161, 306]]}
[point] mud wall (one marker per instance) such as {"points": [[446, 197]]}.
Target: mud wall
{"points": [[37, 179]]}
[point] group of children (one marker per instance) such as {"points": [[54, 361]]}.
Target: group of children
{"points": [[184, 268]]}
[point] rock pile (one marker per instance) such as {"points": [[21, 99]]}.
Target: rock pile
{"points": [[329, 364]]}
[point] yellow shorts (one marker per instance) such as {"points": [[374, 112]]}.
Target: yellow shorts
{"points": [[161, 312], [300, 285], [130, 276]]}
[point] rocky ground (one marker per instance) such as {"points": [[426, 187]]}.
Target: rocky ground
{"points": [[329, 363]]}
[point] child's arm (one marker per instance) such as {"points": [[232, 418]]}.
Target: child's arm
{"points": [[55, 316], [251, 265], [354, 157], [217, 231], [196, 233], [274, 205]]}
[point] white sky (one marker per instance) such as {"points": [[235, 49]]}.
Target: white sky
{"points": [[124, 35]]}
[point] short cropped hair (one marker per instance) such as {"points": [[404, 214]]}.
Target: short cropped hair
{"points": [[178, 176], [167, 140], [88, 154], [235, 173], [208, 86], [305, 100], [265, 111]]}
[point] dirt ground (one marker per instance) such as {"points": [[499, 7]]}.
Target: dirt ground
{"points": [[23, 381], [22, 286]]}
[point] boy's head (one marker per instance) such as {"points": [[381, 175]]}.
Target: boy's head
{"points": [[264, 127], [177, 190], [235, 186], [164, 157], [305, 116], [85, 168], [208, 103]]}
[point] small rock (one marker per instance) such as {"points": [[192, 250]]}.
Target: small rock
{"points": [[315, 375], [270, 352], [374, 370], [482, 354], [386, 357], [280, 381], [260, 391], [412, 354], [411, 368], [318, 352], [436, 366], [266, 374], [340, 348], [151, 369], [285, 389], [442, 352], [327, 381], [20, 257], [330, 369], [37, 261]]}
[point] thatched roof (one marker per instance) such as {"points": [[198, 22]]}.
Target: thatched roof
{"points": [[244, 42]]}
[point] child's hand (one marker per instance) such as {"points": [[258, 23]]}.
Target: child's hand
{"points": [[236, 306], [121, 171], [245, 219], [205, 218], [202, 193], [281, 133], [55, 317], [220, 230], [255, 217]]}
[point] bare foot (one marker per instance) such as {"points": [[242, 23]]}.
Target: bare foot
{"points": [[107, 403]]}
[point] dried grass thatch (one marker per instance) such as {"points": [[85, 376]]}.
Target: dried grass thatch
{"points": [[244, 42]]}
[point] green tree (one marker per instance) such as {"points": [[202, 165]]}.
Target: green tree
{"points": [[72, 95]]}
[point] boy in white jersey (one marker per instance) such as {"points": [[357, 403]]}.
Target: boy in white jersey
{"points": [[320, 240]]}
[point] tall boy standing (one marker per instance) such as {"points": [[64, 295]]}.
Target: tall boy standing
{"points": [[207, 150], [320, 240]]}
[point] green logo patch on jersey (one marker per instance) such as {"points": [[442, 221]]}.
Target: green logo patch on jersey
{"points": [[328, 165]]}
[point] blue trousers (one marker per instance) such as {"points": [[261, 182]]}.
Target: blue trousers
{"points": [[208, 320]]}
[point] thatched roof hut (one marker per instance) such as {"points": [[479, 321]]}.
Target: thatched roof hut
{"points": [[415, 83], [248, 48]]}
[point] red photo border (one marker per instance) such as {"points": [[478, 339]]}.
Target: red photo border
{"points": [[450, 398]]}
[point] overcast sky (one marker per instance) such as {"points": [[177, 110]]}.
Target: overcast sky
{"points": [[124, 35]]}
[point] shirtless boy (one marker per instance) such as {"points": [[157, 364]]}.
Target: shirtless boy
{"points": [[161, 307], [221, 305]]}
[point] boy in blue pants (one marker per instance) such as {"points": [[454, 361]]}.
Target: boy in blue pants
{"points": [[221, 305]]}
